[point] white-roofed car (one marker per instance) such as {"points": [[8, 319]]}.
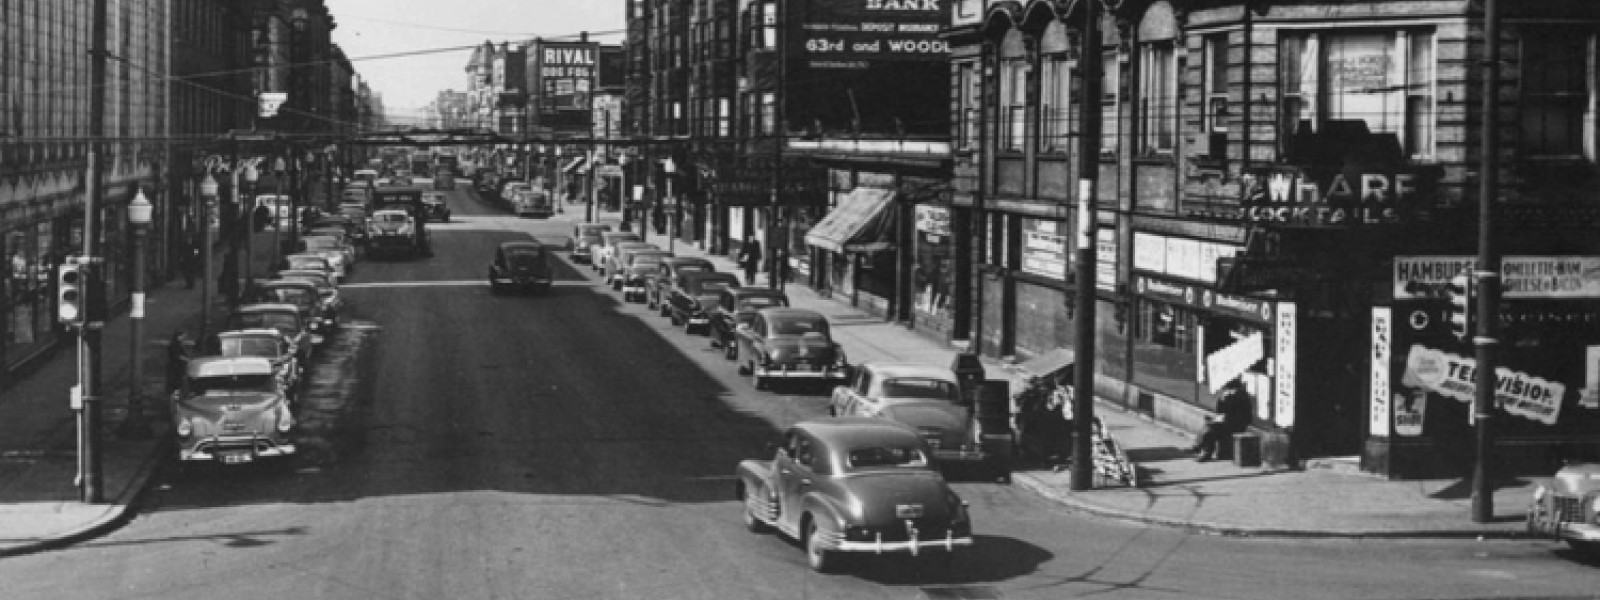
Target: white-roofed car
{"points": [[341, 257], [232, 410], [927, 398], [270, 344]]}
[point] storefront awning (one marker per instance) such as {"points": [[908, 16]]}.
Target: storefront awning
{"points": [[580, 164], [1049, 363], [856, 225]]}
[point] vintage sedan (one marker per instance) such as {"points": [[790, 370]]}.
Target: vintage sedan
{"points": [[617, 260], [340, 256], [854, 485], [434, 206], [332, 300], [790, 344], [303, 261], [270, 344], [637, 265], [738, 306], [521, 265], [601, 253], [693, 297], [231, 410], [301, 293], [584, 237], [927, 398], [659, 285], [1567, 507], [288, 319]]}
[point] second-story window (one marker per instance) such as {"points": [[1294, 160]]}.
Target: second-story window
{"points": [[1013, 92], [1376, 84], [1055, 89], [1556, 103], [769, 25], [724, 117], [1158, 97], [968, 110], [769, 114], [1214, 83]]}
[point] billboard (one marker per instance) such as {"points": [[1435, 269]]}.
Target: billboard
{"points": [[856, 34], [564, 74]]}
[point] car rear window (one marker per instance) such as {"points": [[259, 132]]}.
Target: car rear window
{"points": [[278, 321], [758, 302], [800, 326], [250, 347], [308, 262], [919, 387], [524, 252], [885, 456], [227, 385]]}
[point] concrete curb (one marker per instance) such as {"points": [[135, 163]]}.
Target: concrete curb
{"points": [[1067, 499], [117, 514]]}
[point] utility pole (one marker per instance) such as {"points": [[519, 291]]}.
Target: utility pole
{"points": [[1487, 271], [88, 394], [1084, 315], [779, 130]]}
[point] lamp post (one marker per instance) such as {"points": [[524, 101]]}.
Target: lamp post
{"points": [[275, 219], [135, 426], [247, 217], [208, 195], [671, 169]]}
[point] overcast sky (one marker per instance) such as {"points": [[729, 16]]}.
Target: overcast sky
{"points": [[371, 29]]}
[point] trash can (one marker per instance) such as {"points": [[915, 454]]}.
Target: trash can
{"points": [[1246, 449]]}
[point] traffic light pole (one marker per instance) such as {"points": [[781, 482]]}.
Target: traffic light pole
{"points": [[1487, 273], [87, 399]]}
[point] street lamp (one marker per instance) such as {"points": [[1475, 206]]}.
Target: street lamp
{"points": [[208, 195], [135, 426], [247, 217], [671, 169], [277, 205]]}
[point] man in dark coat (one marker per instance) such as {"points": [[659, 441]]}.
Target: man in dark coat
{"points": [[1233, 416], [749, 259]]}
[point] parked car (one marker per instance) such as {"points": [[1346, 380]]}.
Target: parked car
{"points": [[307, 261], [927, 398], [232, 410], [791, 344], [288, 319], [854, 485], [640, 264], [602, 253], [433, 204], [621, 256], [659, 285], [266, 343], [738, 306], [1567, 507], [522, 265], [301, 293], [341, 257], [332, 300], [693, 297], [584, 237], [532, 202]]}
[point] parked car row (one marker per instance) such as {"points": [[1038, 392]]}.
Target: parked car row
{"points": [[235, 403]]}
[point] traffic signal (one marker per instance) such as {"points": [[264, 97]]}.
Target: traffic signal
{"points": [[70, 288], [1459, 292]]}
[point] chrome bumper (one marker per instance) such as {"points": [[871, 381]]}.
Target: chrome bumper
{"points": [[958, 455], [210, 449], [788, 373], [832, 541]]}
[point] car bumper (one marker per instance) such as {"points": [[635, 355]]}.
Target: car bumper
{"points": [[215, 448], [1577, 532], [633, 289], [790, 372], [959, 455], [834, 542]]}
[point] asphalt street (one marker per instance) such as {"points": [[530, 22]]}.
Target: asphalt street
{"points": [[460, 444]]}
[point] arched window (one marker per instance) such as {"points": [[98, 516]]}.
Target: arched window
{"points": [[1014, 69], [1158, 80], [1056, 110]]}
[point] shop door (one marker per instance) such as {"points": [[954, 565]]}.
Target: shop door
{"points": [[1331, 402]]}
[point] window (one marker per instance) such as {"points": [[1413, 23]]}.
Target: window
{"points": [[1378, 83], [1214, 81], [1158, 97], [1056, 111], [1110, 80], [968, 80], [769, 115], [1013, 92], [1556, 106], [769, 25], [724, 118]]}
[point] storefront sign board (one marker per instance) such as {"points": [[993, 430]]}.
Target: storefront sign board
{"points": [[1105, 256], [1183, 258], [1378, 393], [1555, 277], [1150, 252], [1229, 363], [1454, 376], [1237, 306], [1287, 364], [1168, 291], [1044, 249]]}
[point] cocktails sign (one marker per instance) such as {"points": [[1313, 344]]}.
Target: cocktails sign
{"points": [[1325, 198]]}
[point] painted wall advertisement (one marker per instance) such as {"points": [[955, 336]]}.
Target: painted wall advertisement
{"points": [[565, 74], [853, 34], [1547, 373]]}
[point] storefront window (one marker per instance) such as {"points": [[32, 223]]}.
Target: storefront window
{"points": [[1376, 82], [1164, 337], [27, 296]]}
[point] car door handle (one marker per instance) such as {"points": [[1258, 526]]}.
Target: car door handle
{"points": [[806, 481]]}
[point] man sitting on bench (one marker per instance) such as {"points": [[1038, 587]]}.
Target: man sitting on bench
{"points": [[1233, 416]]}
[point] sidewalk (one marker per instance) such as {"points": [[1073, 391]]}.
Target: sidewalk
{"points": [[1177, 491], [39, 500]]}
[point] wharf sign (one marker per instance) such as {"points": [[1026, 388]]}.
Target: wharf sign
{"points": [[1320, 198], [855, 34]]}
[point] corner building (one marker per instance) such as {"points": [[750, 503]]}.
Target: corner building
{"points": [[1287, 193]]}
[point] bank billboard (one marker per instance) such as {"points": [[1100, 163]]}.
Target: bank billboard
{"points": [[870, 66]]}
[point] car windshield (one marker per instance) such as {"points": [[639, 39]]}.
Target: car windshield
{"points": [[291, 295], [228, 385], [390, 217], [920, 387], [321, 243], [871, 457], [799, 326], [707, 287], [250, 346], [280, 321], [647, 259], [524, 253], [758, 302]]}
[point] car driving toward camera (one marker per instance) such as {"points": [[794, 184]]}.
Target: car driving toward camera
{"points": [[231, 410]]}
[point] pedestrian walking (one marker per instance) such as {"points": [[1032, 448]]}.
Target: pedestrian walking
{"points": [[781, 269], [749, 259], [658, 217], [189, 263]]}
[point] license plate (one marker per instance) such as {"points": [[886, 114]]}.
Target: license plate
{"points": [[908, 511], [237, 458], [698, 321]]}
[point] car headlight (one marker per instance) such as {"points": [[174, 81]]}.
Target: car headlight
{"points": [[185, 428], [285, 421], [1539, 493]]}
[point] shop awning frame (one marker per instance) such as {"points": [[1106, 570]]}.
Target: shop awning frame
{"points": [[581, 163], [857, 224]]}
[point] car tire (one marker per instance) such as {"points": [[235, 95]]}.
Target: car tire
{"points": [[820, 560], [674, 318], [751, 523], [730, 350], [743, 369], [756, 379]]}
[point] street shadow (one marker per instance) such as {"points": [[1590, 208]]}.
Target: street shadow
{"points": [[1157, 453], [989, 559], [237, 539], [1461, 489]]}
